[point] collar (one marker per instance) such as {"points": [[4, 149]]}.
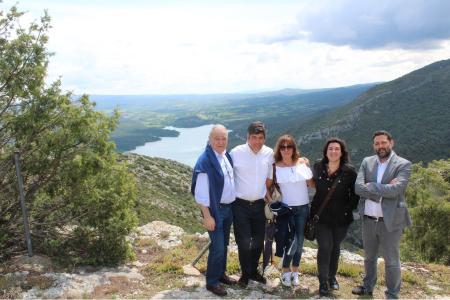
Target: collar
{"points": [[218, 155], [387, 160], [251, 151]]}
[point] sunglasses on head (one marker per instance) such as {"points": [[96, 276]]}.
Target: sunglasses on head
{"points": [[286, 147]]}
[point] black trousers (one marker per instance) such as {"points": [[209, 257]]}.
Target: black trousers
{"points": [[249, 224], [329, 239]]}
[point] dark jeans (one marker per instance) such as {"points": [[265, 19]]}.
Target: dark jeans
{"points": [[217, 258], [300, 215], [249, 224], [329, 239]]}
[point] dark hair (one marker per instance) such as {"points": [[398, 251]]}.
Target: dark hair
{"points": [[382, 132], [256, 128], [345, 157], [286, 139]]}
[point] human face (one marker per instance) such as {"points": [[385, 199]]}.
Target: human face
{"points": [[256, 141], [382, 146], [334, 152], [286, 150], [219, 140]]}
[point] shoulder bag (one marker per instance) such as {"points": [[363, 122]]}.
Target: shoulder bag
{"points": [[275, 193], [310, 226]]}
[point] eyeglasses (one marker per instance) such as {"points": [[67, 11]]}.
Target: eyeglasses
{"points": [[286, 147]]}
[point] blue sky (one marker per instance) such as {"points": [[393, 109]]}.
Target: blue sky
{"points": [[175, 47]]}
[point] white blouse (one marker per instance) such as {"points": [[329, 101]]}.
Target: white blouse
{"points": [[292, 182]]}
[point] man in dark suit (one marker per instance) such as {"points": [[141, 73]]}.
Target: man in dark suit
{"points": [[381, 183]]}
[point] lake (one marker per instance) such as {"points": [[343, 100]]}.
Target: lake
{"points": [[185, 148]]}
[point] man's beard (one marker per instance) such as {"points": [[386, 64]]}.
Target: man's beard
{"points": [[384, 152]]}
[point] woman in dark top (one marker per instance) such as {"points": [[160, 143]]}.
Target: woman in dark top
{"points": [[337, 215]]}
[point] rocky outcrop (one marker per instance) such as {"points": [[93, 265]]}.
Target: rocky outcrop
{"points": [[36, 277]]}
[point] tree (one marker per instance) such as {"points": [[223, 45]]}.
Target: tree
{"points": [[80, 197], [428, 195]]}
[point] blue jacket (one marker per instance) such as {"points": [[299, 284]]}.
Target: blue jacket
{"points": [[208, 163]]}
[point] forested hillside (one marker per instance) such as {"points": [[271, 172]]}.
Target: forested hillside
{"points": [[415, 108]]}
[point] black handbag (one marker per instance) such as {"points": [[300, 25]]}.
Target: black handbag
{"points": [[310, 226]]}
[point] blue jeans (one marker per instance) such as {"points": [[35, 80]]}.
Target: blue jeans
{"points": [[217, 258], [300, 214]]}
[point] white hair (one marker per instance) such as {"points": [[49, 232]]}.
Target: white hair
{"points": [[217, 128]]}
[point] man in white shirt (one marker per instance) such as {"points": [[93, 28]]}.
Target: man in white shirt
{"points": [[381, 183], [213, 189], [252, 163]]}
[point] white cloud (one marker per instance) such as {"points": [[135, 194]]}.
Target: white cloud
{"points": [[139, 47]]}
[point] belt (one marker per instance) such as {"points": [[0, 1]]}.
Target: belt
{"points": [[225, 204], [374, 218], [248, 202]]}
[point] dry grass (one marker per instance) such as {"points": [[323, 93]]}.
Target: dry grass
{"points": [[39, 281]]}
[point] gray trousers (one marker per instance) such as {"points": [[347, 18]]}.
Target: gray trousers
{"points": [[374, 235]]}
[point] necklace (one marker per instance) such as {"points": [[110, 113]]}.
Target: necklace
{"points": [[290, 166]]}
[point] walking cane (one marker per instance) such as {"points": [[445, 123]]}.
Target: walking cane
{"points": [[190, 269], [200, 254]]}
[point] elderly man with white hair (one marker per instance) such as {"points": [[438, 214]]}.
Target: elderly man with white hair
{"points": [[213, 189]]}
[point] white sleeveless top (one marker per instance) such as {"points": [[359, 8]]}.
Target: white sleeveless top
{"points": [[292, 182]]}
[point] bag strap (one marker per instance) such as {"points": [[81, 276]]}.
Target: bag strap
{"points": [[328, 197], [275, 183]]}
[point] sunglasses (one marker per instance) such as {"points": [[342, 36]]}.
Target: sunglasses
{"points": [[286, 147]]}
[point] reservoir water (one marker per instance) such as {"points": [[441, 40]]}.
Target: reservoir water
{"points": [[185, 148]]}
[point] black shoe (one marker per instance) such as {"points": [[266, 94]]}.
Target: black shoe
{"points": [[225, 279], [323, 289], [258, 278], [361, 291], [243, 281], [218, 290], [334, 285]]}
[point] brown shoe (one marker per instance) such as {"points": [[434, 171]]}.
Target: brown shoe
{"points": [[225, 279], [218, 290]]}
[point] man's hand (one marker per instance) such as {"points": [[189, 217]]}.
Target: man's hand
{"points": [[209, 223], [393, 181], [304, 160]]}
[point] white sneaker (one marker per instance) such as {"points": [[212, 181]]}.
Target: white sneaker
{"points": [[286, 279], [295, 280]]}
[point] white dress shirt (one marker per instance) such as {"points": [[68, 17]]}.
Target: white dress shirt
{"points": [[201, 193], [373, 208], [251, 171], [292, 182]]}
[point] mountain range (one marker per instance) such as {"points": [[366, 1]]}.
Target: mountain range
{"points": [[415, 108]]}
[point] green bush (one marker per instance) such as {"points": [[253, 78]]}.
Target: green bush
{"points": [[80, 198], [428, 195]]}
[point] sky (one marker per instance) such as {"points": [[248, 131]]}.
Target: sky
{"points": [[200, 47]]}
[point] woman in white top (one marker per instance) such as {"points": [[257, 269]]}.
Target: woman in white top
{"points": [[292, 175]]}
